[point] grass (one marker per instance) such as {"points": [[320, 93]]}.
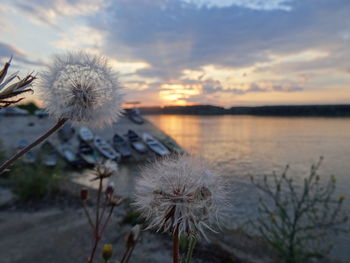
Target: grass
{"points": [[33, 182]]}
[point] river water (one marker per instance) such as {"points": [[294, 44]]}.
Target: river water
{"points": [[244, 146]]}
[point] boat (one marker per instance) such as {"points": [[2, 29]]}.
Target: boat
{"points": [[172, 146], [48, 154], [136, 142], [29, 157], [67, 153], [121, 146], [134, 115], [155, 145], [87, 153], [106, 149], [66, 132], [86, 134]]}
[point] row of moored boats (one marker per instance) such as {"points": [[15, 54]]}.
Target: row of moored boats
{"points": [[92, 147]]}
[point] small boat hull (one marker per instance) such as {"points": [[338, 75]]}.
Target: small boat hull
{"points": [[86, 134], [155, 145], [87, 153], [106, 149], [121, 146], [48, 154], [136, 142]]}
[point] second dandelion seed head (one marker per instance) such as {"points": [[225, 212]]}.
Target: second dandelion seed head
{"points": [[181, 192]]}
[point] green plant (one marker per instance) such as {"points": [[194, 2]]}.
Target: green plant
{"points": [[188, 244], [296, 221], [31, 107], [35, 181], [2, 152]]}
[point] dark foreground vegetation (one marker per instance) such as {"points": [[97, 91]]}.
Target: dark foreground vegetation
{"points": [[290, 110]]}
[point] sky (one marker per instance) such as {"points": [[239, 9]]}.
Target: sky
{"points": [[184, 52]]}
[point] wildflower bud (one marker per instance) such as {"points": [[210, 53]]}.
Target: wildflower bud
{"points": [[84, 193], [115, 201], [333, 179], [107, 251], [110, 188], [273, 218], [133, 236], [342, 198]]}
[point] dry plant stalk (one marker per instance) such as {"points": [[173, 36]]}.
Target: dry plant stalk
{"points": [[9, 91], [100, 218]]}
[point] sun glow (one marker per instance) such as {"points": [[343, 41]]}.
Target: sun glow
{"points": [[178, 94]]}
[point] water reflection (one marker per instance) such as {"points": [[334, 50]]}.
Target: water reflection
{"points": [[244, 145]]}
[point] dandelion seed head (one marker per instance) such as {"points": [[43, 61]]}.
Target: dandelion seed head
{"points": [[181, 191], [82, 88]]}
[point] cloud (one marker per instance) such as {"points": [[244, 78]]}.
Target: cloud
{"points": [[188, 88], [252, 4], [211, 87], [255, 88], [48, 11], [80, 37], [286, 88], [171, 36], [6, 51]]}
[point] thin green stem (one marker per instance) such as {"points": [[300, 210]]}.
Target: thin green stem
{"points": [[191, 246]]}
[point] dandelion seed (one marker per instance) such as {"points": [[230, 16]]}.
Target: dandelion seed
{"points": [[82, 88], [181, 194]]}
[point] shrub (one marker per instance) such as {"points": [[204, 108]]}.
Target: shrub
{"points": [[31, 107], [296, 221], [35, 181]]}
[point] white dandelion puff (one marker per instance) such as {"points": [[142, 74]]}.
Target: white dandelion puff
{"points": [[82, 88], [181, 192]]}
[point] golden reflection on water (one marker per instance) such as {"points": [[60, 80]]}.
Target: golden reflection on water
{"points": [[245, 145]]}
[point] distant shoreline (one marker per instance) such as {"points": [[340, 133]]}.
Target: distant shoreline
{"points": [[342, 110]]}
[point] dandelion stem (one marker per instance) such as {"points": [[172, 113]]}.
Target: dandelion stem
{"points": [[107, 220], [88, 215], [93, 251], [97, 223], [128, 254], [176, 245], [191, 245], [42, 138]]}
